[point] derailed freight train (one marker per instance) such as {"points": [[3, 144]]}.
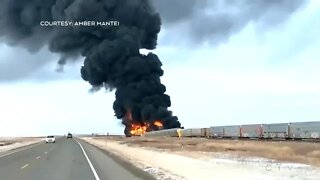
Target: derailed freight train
{"points": [[296, 130]]}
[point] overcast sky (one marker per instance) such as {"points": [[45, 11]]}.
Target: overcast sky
{"points": [[224, 64]]}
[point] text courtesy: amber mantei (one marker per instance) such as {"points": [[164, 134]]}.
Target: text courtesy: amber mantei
{"points": [[79, 23]]}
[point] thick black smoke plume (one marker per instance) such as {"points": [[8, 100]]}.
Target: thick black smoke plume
{"points": [[112, 57]]}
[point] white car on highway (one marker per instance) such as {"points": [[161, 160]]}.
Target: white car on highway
{"points": [[50, 139]]}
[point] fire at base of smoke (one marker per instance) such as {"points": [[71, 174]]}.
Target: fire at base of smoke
{"points": [[79, 23]]}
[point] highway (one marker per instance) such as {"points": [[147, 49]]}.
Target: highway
{"points": [[67, 159]]}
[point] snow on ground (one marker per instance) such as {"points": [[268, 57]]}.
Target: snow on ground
{"points": [[166, 165], [17, 142]]}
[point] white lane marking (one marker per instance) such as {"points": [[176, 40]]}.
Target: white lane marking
{"points": [[91, 166], [8, 154], [46, 152], [38, 157], [3, 155], [26, 165]]}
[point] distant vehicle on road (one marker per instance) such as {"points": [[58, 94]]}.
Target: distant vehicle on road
{"points": [[50, 139], [69, 135]]}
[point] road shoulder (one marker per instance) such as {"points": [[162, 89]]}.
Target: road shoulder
{"points": [[115, 162]]}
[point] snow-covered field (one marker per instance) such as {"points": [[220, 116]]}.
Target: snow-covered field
{"points": [[169, 165]]}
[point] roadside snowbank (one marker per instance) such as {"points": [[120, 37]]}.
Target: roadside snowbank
{"points": [[166, 165], [17, 143]]}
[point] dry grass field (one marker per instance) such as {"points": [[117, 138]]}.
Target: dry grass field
{"points": [[199, 158], [287, 151]]}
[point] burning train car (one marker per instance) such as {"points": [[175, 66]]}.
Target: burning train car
{"points": [[138, 128]]}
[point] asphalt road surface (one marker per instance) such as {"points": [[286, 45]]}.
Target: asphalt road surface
{"points": [[67, 159]]}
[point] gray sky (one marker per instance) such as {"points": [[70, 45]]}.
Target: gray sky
{"points": [[215, 21], [237, 66]]}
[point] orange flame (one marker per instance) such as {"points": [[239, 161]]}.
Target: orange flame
{"points": [[158, 124], [137, 130]]}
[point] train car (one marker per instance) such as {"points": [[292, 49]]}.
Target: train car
{"points": [[194, 132], [216, 131], [275, 131], [251, 131], [164, 133], [205, 132], [305, 130], [186, 132], [231, 131]]}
